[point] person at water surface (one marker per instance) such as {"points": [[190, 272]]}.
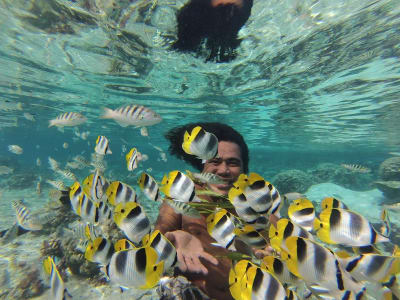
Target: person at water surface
{"points": [[195, 247], [215, 22]]}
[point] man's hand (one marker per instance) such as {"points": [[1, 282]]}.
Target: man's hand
{"points": [[189, 251]]}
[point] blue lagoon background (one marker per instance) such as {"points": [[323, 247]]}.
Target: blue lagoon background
{"points": [[316, 84]]}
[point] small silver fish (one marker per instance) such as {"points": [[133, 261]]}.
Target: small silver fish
{"points": [[15, 149], [356, 168], [54, 165], [68, 119], [29, 117], [134, 115], [59, 185], [24, 217]]}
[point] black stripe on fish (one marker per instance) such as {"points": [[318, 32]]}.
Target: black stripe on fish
{"points": [[177, 177], [156, 240], [373, 235], [141, 260], [230, 242], [129, 193], [146, 180], [334, 218], [200, 135], [102, 245], [110, 252], [339, 276], [119, 189], [120, 261], [257, 185], [356, 225], [353, 263], [320, 258], [301, 250], [134, 213], [213, 142], [273, 289], [288, 230], [192, 196], [278, 266], [258, 279], [376, 263], [166, 251], [143, 224], [221, 222], [96, 215], [305, 211], [175, 259], [346, 295], [88, 206]]}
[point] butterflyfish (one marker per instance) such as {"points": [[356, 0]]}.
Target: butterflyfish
{"points": [[302, 212], [135, 268], [119, 192], [339, 226], [99, 251], [202, 144], [132, 220], [57, 286]]}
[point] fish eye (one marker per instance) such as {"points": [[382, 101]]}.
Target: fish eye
{"points": [[155, 268], [320, 225], [276, 232], [122, 210], [289, 256]]}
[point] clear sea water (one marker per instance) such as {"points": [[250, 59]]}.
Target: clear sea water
{"points": [[314, 82]]}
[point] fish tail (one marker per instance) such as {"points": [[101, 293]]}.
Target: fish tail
{"points": [[108, 113], [51, 123]]}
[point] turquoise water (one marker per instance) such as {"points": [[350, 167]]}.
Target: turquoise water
{"points": [[314, 82]]}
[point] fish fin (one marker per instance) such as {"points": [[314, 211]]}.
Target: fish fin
{"points": [[108, 113], [122, 124]]}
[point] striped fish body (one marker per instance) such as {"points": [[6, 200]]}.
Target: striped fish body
{"points": [[183, 208], [165, 250], [99, 251], [68, 119], [372, 267], [24, 217], [105, 213], [302, 213], [59, 185], [102, 146], [119, 192], [262, 196], [87, 210], [330, 202], [131, 159], [251, 237], [132, 220], [285, 228], [134, 115], [356, 168], [85, 232], [316, 264], [135, 268], [204, 177], [242, 206], [67, 174], [200, 143], [221, 228], [340, 226], [276, 266], [57, 286], [260, 284], [178, 186], [149, 187], [95, 186], [75, 193]]}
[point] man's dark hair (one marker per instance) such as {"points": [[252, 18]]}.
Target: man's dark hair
{"points": [[222, 131], [218, 27]]}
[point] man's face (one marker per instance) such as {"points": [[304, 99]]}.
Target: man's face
{"points": [[228, 166]]}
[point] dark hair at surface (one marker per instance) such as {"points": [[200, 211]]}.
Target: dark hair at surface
{"points": [[222, 131]]}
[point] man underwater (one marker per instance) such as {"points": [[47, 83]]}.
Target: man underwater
{"points": [[195, 250], [215, 22]]}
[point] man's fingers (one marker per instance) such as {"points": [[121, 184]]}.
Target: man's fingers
{"points": [[209, 258], [182, 264]]}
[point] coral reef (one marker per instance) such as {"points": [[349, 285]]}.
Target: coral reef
{"points": [[390, 189], [29, 282], [389, 170], [292, 181], [334, 173]]}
